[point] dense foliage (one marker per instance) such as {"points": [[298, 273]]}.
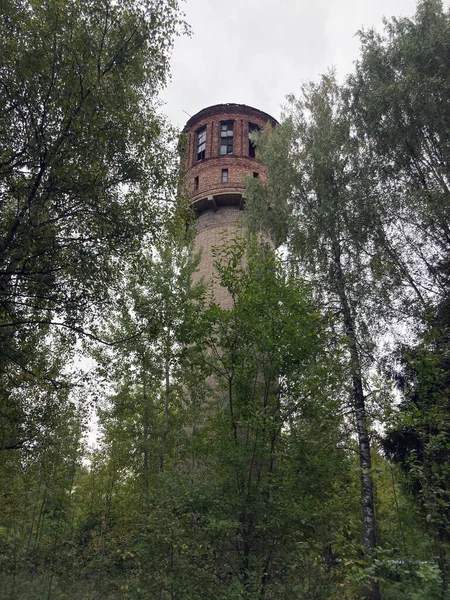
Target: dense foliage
{"points": [[295, 446], [84, 165]]}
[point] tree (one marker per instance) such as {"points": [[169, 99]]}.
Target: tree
{"points": [[84, 165], [37, 503], [266, 507], [417, 437], [398, 97], [149, 329], [83, 160], [317, 195]]}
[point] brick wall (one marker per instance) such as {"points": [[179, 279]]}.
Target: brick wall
{"points": [[209, 173]]}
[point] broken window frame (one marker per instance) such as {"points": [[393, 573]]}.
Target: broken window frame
{"points": [[201, 143], [226, 137], [252, 128]]}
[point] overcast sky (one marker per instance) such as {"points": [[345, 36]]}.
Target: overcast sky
{"points": [[256, 52]]}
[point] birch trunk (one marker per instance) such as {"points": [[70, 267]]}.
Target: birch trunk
{"points": [[371, 590]]}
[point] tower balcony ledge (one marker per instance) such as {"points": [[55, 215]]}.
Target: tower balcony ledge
{"points": [[218, 199]]}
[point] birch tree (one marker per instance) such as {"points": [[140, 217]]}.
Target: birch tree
{"points": [[315, 202]]}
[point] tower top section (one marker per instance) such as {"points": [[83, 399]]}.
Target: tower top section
{"points": [[219, 154], [220, 109]]}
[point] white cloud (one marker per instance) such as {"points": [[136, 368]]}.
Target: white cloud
{"points": [[256, 52]]}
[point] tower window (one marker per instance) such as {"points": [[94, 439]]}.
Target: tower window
{"points": [[201, 143], [224, 175], [195, 183], [226, 137], [252, 128]]}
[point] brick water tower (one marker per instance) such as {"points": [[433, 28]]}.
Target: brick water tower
{"points": [[219, 156]]}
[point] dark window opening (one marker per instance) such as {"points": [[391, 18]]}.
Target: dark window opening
{"points": [[201, 143], [195, 183], [252, 128], [255, 174], [224, 175], [226, 137]]}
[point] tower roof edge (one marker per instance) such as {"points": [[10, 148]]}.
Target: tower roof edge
{"points": [[217, 109]]}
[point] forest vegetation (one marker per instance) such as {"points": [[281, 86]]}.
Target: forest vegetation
{"points": [[295, 446]]}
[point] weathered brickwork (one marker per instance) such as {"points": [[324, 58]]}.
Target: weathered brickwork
{"points": [[215, 229], [211, 117], [209, 173], [216, 182]]}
